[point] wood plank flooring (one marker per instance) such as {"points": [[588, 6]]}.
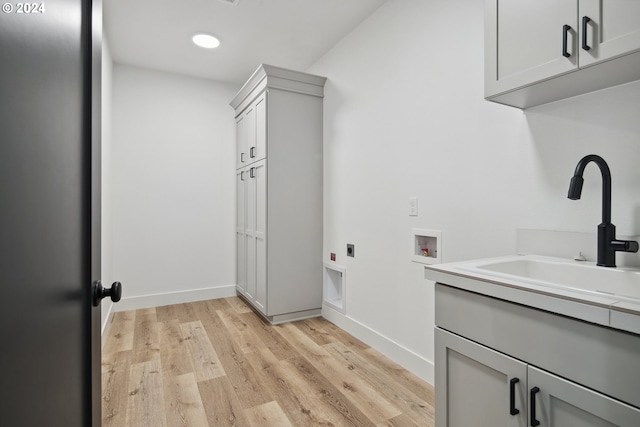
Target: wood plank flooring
{"points": [[216, 363]]}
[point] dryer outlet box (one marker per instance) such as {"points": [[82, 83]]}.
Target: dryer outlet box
{"points": [[351, 250]]}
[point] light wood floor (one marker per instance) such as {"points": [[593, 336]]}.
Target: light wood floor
{"points": [[216, 363]]}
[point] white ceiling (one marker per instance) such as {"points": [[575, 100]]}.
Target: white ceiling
{"points": [[287, 33]]}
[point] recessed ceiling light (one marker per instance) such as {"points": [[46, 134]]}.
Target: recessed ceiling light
{"points": [[206, 40]]}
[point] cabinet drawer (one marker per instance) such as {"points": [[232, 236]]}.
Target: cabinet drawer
{"points": [[597, 357]]}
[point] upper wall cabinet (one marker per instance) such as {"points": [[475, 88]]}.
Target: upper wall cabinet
{"points": [[539, 51]]}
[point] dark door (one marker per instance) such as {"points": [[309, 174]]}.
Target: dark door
{"points": [[49, 213]]}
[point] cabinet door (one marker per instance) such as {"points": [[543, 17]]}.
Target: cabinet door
{"points": [[561, 403], [245, 136], [255, 231], [241, 196], [260, 179], [258, 150], [241, 141], [612, 29], [250, 241], [474, 385], [524, 42]]}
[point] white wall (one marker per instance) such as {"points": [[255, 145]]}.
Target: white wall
{"points": [[405, 116], [173, 187]]}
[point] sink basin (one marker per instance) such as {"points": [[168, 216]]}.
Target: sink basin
{"points": [[561, 273]]}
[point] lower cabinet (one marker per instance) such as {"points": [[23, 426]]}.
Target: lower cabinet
{"points": [[478, 386], [498, 363], [251, 236]]}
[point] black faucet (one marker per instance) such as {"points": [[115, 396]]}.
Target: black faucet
{"points": [[608, 245]]}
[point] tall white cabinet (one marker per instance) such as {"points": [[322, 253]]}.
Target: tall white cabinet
{"points": [[279, 193]]}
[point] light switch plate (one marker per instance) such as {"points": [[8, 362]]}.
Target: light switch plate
{"points": [[413, 206]]}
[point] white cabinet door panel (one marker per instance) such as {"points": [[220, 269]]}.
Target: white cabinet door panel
{"points": [[251, 133], [474, 388], [250, 233], [255, 231], [561, 403], [613, 29], [245, 136], [241, 141], [259, 150], [240, 229], [260, 234], [523, 40]]}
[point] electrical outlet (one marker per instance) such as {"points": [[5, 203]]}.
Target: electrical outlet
{"points": [[351, 250]]}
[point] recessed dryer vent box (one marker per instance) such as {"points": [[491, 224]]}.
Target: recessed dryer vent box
{"points": [[426, 246], [333, 292]]}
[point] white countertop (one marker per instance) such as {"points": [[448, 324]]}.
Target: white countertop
{"points": [[597, 307]]}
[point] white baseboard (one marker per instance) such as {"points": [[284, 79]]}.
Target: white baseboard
{"points": [[180, 297], [404, 357]]}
